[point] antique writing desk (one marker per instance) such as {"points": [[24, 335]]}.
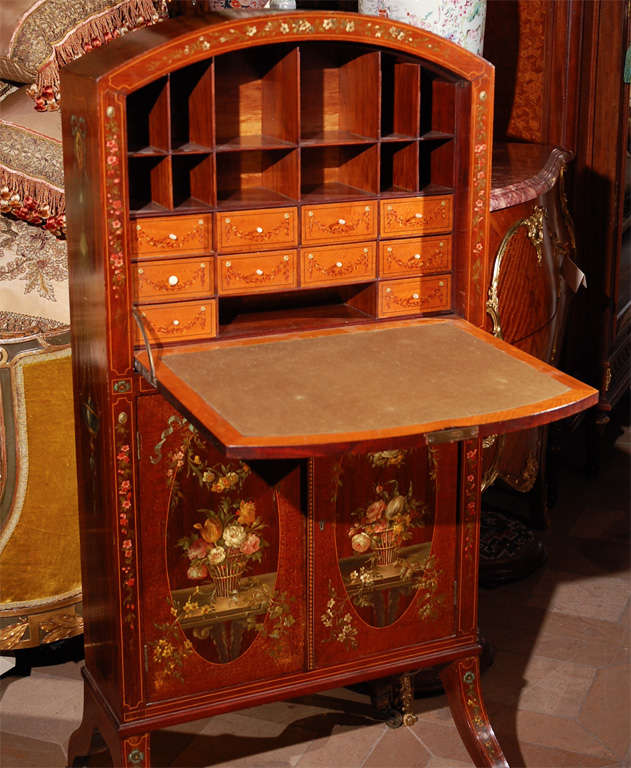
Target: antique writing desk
{"points": [[278, 233]]}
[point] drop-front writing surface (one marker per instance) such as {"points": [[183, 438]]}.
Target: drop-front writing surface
{"points": [[216, 206]]}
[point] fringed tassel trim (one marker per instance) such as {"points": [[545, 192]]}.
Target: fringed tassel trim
{"points": [[32, 200], [97, 31]]}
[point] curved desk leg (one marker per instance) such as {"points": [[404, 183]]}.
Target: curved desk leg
{"points": [[461, 679], [133, 752], [125, 751]]}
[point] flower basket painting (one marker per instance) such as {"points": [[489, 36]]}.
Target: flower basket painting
{"points": [[381, 528], [385, 545], [223, 545]]}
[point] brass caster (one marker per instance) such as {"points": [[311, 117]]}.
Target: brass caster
{"points": [[409, 719]]}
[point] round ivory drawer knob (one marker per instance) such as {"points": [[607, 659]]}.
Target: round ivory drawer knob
{"points": [[173, 280], [285, 258], [441, 244], [227, 221], [310, 256], [388, 290], [259, 230], [338, 263], [259, 271], [389, 250], [176, 322], [415, 295], [417, 256], [418, 215], [172, 236], [141, 271], [286, 216], [341, 221], [228, 264], [203, 265]]}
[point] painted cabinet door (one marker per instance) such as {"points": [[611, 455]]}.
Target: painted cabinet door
{"points": [[222, 553], [384, 551]]}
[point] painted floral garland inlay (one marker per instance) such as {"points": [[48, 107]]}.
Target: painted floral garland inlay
{"points": [[124, 475], [113, 199]]}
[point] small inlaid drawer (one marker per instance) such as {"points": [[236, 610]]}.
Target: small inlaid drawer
{"points": [[257, 272], [414, 256], [334, 223], [239, 231], [416, 216], [171, 235], [172, 279], [411, 296], [334, 264], [179, 321]]}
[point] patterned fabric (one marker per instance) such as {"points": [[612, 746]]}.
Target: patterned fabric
{"points": [[12, 325], [461, 21], [33, 278], [220, 5], [31, 163], [33, 154], [6, 89], [51, 33]]}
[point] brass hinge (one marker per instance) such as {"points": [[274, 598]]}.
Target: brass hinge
{"points": [[456, 434]]}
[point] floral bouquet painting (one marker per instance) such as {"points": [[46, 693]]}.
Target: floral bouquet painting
{"points": [[224, 544], [386, 523]]}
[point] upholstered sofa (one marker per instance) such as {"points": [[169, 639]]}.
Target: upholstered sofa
{"points": [[40, 582]]}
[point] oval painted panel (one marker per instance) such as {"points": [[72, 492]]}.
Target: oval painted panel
{"points": [[384, 527], [222, 549]]}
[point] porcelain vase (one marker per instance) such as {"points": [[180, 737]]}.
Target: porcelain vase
{"points": [[461, 21]]}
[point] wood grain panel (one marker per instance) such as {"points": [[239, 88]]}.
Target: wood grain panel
{"points": [[414, 256], [171, 235], [338, 264], [411, 296], [172, 279], [179, 321], [256, 272], [239, 231], [416, 215], [335, 222]]}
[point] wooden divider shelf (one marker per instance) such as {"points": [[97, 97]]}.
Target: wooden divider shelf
{"points": [[256, 98], [191, 106]]}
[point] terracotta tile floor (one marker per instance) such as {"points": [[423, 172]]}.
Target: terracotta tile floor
{"points": [[558, 692]]}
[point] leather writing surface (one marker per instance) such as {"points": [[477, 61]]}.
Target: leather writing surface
{"points": [[382, 378]]}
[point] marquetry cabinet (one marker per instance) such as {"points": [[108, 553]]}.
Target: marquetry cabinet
{"points": [[278, 228]]}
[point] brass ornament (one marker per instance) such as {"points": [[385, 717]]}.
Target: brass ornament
{"points": [[534, 228]]}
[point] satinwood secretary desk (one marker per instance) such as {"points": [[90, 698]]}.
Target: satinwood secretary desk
{"points": [[278, 231]]}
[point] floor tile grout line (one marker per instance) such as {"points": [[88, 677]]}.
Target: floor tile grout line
{"points": [[375, 745]]}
